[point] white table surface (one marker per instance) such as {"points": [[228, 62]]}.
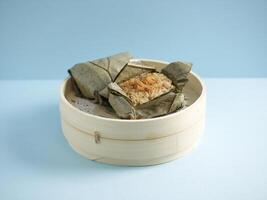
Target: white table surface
{"points": [[230, 163]]}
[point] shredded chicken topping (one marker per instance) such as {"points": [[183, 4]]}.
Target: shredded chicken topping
{"points": [[145, 87]]}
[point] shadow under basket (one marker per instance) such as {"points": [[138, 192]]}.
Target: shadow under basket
{"points": [[135, 142]]}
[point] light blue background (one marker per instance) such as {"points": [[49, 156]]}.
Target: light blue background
{"points": [[41, 39]]}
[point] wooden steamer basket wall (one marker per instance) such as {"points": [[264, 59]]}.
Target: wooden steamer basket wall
{"points": [[136, 142]]}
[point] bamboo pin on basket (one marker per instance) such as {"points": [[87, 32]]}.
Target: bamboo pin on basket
{"points": [[136, 142]]}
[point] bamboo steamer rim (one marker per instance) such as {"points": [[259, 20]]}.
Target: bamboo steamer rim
{"points": [[171, 115]]}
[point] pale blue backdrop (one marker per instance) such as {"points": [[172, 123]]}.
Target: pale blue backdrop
{"points": [[41, 39]]}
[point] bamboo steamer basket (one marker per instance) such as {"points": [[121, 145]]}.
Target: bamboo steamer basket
{"points": [[135, 142]]}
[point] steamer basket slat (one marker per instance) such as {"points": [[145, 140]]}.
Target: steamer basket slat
{"points": [[135, 142]]}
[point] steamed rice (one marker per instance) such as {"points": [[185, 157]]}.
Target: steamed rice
{"points": [[145, 87]]}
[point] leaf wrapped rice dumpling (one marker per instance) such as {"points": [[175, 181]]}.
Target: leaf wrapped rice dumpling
{"points": [[132, 89], [93, 76], [150, 94]]}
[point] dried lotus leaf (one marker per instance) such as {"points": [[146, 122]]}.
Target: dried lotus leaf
{"points": [[104, 92], [177, 72], [121, 106], [156, 107], [132, 69], [120, 102], [116, 89], [140, 63], [113, 64], [93, 76], [75, 88], [89, 78], [177, 103]]}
